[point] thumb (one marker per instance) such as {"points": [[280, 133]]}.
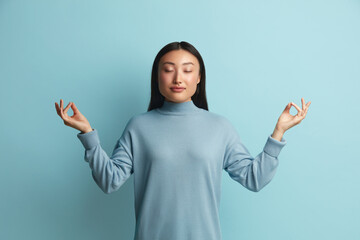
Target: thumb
{"points": [[287, 108]]}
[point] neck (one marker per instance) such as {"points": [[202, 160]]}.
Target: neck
{"points": [[178, 108]]}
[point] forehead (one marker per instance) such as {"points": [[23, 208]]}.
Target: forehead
{"points": [[178, 57]]}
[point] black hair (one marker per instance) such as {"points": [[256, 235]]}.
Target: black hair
{"points": [[199, 98]]}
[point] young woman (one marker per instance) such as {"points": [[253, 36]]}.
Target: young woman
{"points": [[177, 151]]}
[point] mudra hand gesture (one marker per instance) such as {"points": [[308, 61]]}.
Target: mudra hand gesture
{"points": [[77, 121], [287, 121]]}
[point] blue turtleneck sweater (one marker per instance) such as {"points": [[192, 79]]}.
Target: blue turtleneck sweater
{"points": [[177, 153]]}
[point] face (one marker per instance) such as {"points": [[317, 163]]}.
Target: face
{"points": [[178, 68]]}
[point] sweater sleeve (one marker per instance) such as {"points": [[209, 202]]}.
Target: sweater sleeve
{"points": [[252, 173], [109, 173]]}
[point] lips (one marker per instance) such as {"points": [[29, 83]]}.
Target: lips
{"points": [[177, 89]]}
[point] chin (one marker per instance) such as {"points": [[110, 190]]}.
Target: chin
{"points": [[176, 98]]}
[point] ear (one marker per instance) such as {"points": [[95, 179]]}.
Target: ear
{"points": [[198, 79]]}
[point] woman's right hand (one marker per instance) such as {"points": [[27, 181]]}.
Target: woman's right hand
{"points": [[77, 121]]}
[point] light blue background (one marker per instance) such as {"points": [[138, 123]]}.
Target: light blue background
{"points": [[259, 56]]}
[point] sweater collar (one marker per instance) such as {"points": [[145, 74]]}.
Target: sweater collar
{"points": [[178, 108]]}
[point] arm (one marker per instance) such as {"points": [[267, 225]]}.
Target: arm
{"points": [[255, 173], [277, 134], [252, 173], [109, 173]]}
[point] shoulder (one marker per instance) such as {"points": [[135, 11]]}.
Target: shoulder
{"points": [[135, 120], [140, 119], [218, 119], [227, 131]]}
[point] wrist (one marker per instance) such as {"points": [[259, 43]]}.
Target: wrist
{"points": [[279, 130], [87, 130], [277, 134]]}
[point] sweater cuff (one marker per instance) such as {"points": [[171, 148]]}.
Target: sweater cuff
{"points": [[273, 146], [89, 139]]}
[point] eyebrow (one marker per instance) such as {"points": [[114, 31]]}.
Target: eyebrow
{"points": [[174, 63]]}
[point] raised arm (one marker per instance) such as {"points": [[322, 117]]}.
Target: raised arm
{"points": [[256, 173], [109, 173], [252, 173]]}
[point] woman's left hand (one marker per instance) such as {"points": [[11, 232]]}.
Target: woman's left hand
{"points": [[286, 120]]}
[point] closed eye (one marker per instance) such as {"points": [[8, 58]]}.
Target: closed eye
{"points": [[184, 71]]}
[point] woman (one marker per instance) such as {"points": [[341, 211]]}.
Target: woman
{"points": [[177, 151]]}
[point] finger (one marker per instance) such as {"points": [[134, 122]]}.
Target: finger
{"points": [[308, 104], [57, 108], [296, 106], [305, 113], [303, 107], [287, 107], [61, 109], [300, 111], [67, 107], [303, 103], [74, 108]]}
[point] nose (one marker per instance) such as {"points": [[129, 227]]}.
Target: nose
{"points": [[177, 78]]}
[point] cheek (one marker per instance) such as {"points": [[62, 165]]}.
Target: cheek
{"points": [[161, 77], [192, 80], [163, 80], [164, 76]]}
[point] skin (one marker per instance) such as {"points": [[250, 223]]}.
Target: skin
{"points": [[173, 72], [287, 121], [77, 121]]}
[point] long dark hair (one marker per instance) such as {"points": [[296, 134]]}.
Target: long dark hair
{"points": [[199, 98]]}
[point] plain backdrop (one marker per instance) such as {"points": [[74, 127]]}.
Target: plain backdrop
{"points": [[259, 56]]}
